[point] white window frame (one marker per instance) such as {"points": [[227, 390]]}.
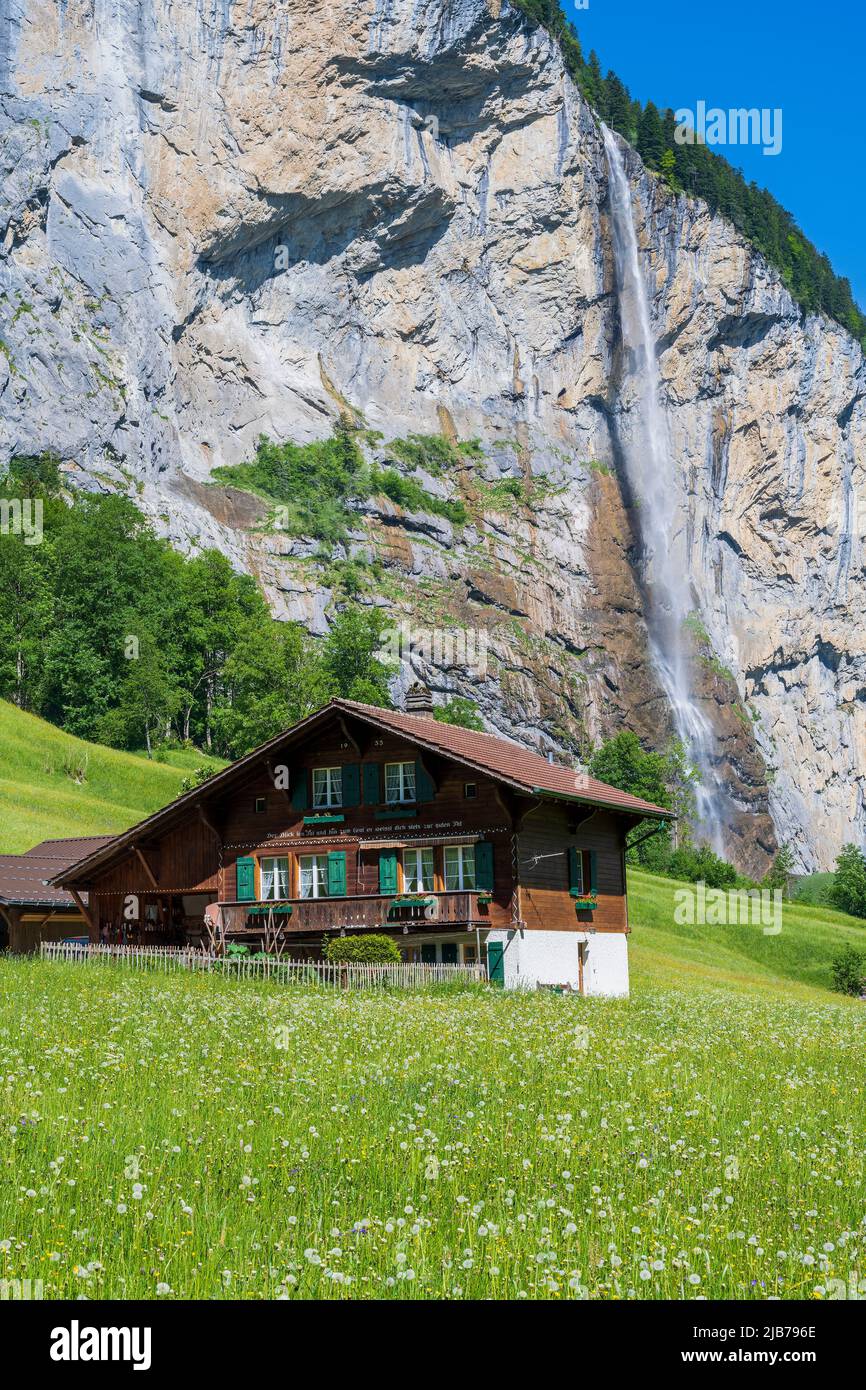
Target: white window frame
{"points": [[463, 852], [279, 878], [318, 883], [414, 869], [405, 781], [327, 788]]}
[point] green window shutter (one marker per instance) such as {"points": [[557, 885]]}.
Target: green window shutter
{"points": [[352, 784], [575, 867], [388, 872], [424, 789], [593, 871], [299, 790], [337, 874], [496, 962], [484, 866], [246, 880], [372, 795]]}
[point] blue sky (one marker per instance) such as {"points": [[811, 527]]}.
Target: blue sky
{"points": [[806, 59]]}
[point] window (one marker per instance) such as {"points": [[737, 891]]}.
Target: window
{"points": [[399, 782], [327, 787], [459, 867], [418, 869], [261, 805], [470, 955], [314, 876], [275, 879], [470, 790]]}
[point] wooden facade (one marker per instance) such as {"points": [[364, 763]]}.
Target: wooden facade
{"points": [[352, 822]]}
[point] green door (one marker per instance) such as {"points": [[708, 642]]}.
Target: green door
{"points": [[428, 953], [496, 962], [449, 952]]}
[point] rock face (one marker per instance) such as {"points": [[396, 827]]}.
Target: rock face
{"points": [[220, 220]]}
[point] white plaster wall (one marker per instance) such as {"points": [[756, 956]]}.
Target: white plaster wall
{"points": [[552, 958], [605, 968]]}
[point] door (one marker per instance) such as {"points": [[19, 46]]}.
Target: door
{"points": [[428, 952], [496, 962], [449, 952]]}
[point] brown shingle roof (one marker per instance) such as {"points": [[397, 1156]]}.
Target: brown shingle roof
{"points": [[509, 761], [68, 851], [23, 877]]}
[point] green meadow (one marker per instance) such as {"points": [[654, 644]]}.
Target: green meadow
{"points": [[197, 1137], [53, 785], [796, 964]]}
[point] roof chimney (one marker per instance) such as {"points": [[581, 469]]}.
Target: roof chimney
{"points": [[419, 701]]}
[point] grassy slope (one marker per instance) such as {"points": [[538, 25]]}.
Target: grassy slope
{"points": [[796, 963], [40, 799]]}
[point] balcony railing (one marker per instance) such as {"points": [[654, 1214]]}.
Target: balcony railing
{"points": [[358, 911]]}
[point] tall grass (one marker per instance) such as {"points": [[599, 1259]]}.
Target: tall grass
{"points": [[798, 961], [201, 1138], [52, 784]]}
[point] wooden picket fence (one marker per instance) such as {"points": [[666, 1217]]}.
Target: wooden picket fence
{"points": [[168, 960]]}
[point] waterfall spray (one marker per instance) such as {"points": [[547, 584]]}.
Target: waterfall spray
{"points": [[662, 513]]}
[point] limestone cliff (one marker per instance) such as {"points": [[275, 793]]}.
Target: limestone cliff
{"points": [[220, 220]]}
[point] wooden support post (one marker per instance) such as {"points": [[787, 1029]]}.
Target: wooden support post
{"points": [[85, 913], [154, 881]]}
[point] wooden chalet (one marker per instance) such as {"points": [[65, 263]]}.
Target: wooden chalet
{"points": [[460, 845]]}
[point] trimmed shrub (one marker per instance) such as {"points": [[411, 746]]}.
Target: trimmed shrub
{"points": [[363, 950], [849, 974]]}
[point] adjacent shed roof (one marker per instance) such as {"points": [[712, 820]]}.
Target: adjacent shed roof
{"points": [[25, 879]]}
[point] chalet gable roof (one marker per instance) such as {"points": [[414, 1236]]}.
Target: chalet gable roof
{"points": [[491, 755], [507, 761]]}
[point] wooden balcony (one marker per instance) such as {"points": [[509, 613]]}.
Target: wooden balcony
{"points": [[356, 912]]}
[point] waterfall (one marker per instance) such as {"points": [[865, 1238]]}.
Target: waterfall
{"points": [[661, 513]]}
